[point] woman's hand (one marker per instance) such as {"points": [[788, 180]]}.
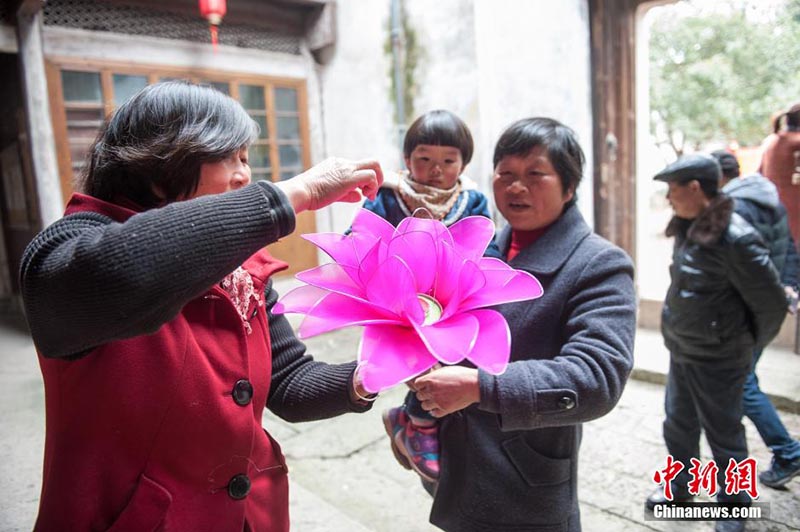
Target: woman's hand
{"points": [[791, 298], [333, 180], [448, 389]]}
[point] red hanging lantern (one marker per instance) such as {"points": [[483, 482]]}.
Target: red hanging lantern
{"points": [[213, 11]]}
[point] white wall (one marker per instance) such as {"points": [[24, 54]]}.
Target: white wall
{"points": [[447, 74], [489, 61], [357, 108], [534, 60]]}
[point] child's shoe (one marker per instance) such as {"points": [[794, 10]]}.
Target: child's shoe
{"points": [[420, 446], [395, 421]]}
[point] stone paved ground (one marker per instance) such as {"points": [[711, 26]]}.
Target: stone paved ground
{"points": [[344, 477], [347, 463]]}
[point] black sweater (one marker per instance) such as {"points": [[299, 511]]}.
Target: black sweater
{"points": [[88, 280]]}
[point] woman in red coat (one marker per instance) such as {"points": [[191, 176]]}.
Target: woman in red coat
{"points": [[780, 162], [150, 306]]}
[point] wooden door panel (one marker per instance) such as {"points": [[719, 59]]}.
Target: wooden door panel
{"points": [[278, 105], [298, 252]]}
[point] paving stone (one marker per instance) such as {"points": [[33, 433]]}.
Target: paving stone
{"points": [[344, 477]]}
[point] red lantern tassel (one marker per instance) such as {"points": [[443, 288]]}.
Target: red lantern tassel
{"points": [[214, 38]]}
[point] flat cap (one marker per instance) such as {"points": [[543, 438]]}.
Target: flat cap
{"points": [[695, 166]]}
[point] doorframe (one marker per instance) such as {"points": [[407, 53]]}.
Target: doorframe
{"points": [[612, 28], [612, 43]]}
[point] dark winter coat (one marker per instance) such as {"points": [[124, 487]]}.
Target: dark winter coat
{"points": [[725, 298], [756, 200], [154, 388], [511, 462]]}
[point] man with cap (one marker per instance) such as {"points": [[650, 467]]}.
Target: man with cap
{"points": [[756, 200], [725, 299]]}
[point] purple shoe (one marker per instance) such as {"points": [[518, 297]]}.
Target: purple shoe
{"points": [[420, 446], [395, 421]]}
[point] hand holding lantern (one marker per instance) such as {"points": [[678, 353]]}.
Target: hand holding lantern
{"points": [[417, 289]]}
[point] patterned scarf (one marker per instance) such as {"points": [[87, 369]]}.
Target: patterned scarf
{"points": [[438, 201], [239, 285]]}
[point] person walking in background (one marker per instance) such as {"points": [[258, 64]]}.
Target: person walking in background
{"points": [[725, 299], [756, 200], [437, 148], [150, 303], [510, 442], [780, 162]]}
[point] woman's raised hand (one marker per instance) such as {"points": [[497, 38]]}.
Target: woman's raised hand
{"points": [[333, 180]]}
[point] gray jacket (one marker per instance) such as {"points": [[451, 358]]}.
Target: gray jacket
{"points": [[755, 188], [510, 462]]}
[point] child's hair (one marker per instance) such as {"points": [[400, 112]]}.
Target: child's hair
{"points": [[792, 116], [562, 147], [439, 128], [159, 139]]}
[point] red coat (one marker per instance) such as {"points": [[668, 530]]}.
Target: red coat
{"points": [[162, 432], [779, 161]]}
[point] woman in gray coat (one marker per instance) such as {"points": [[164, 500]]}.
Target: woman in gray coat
{"points": [[510, 442]]}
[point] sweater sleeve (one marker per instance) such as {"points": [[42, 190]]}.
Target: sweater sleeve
{"points": [[586, 379], [303, 389], [87, 280]]}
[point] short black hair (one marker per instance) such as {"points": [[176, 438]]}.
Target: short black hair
{"points": [[728, 163], [792, 116], [439, 128], [159, 139], [709, 188], [560, 141]]}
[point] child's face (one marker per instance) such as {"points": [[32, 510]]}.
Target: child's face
{"points": [[528, 190], [435, 166], [225, 175]]}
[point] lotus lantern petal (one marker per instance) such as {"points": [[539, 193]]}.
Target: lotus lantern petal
{"points": [[419, 291]]}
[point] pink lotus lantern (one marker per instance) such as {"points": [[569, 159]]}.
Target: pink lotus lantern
{"points": [[418, 291]]}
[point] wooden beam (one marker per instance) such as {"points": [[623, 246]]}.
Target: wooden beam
{"points": [[321, 32], [28, 7], [306, 3], [37, 110], [282, 17]]}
